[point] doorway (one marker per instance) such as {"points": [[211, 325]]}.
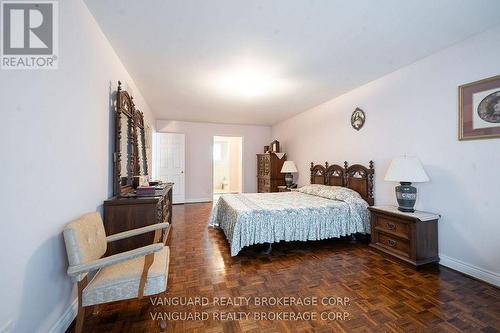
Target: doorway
{"points": [[169, 162], [227, 165]]}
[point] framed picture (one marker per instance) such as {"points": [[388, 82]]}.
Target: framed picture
{"points": [[479, 109]]}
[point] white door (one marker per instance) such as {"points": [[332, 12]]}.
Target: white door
{"points": [[170, 157]]}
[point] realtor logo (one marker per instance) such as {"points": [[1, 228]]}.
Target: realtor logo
{"points": [[29, 35]]}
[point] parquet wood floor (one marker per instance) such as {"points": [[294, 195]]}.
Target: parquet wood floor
{"points": [[384, 295]]}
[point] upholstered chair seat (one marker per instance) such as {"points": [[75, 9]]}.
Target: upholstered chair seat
{"points": [[131, 274], [121, 281]]}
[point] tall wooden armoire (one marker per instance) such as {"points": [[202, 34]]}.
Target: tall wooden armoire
{"points": [[269, 175]]}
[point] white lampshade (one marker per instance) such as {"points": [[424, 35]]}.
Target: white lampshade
{"points": [[406, 169], [288, 166]]}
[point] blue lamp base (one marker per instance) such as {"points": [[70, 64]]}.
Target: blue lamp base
{"points": [[288, 179], [406, 196]]}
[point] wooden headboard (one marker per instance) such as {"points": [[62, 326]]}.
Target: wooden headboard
{"points": [[356, 177]]}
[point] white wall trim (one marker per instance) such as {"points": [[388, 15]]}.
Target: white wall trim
{"points": [[66, 319], [195, 200], [468, 269]]}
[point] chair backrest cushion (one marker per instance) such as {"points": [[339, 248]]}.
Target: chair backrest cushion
{"points": [[85, 239]]}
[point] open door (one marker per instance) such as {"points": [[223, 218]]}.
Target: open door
{"points": [[227, 165], [170, 162]]}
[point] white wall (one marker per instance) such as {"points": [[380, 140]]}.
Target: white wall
{"points": [[199, 140], [56, 164], [414, 111]]}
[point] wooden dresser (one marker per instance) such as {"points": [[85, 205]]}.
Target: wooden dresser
{"points": [[122, 214], [269, 175], [411, 237]]}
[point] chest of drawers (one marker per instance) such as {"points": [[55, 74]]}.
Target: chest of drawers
{"points": [[269, 175], [122, 214], [411, 237]]}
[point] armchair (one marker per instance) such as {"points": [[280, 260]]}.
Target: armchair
{"points": [[131, 274]]}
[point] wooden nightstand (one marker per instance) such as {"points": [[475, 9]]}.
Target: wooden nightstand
{"points": [[284, 189], [411, 237]]}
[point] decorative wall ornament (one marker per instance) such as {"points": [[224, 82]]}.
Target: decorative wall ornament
{"points": [[358, 119], [479, 109]]}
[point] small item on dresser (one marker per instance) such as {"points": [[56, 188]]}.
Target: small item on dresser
{"points": [[127, 195], [145, 191], [136, 182], [275, 146], [266, 149], [143, 181], [283, 189], [139, 181]]}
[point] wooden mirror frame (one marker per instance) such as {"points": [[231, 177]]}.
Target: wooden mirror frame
{"points": [[141, 170], [125, 107]]}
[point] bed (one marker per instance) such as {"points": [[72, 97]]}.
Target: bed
{"points": [[334, 205]]}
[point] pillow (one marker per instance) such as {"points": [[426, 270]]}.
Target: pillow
{"points": [[330, 192]]}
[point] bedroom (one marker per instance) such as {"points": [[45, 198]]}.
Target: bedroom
{"points": [[332, 82]]}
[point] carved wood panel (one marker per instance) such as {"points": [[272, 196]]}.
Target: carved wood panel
{"points": [[130, 157]]}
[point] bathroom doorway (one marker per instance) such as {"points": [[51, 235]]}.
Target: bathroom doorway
{"points": [[227, 165]]}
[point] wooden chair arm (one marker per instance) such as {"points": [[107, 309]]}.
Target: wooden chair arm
{"points": [[114, 259], [135, 232]]}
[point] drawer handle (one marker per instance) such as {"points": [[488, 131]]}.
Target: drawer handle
{"points": [[391, 226], [391, 242]]}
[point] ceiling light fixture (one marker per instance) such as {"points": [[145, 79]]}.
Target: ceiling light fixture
{"points": [[247, 80]]}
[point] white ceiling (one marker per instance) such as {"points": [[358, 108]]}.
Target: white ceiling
{"points": [[309, 51]]}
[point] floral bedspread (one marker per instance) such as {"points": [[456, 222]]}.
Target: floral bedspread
{"points": [[256, 218]]}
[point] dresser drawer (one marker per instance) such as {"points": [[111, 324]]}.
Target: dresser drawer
{"points": [[392, 226], [264, 185], [393, 244], [264, 189]]}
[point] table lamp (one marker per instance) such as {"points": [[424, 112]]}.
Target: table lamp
{"points": [[288, 168], [406, 170]]}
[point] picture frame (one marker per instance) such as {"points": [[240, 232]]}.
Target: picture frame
{"points": [[274, 147], [479, 109]]}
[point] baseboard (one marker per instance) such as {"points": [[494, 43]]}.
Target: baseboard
{"points": [[195, 200], [471, 270], [66, 319]]}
